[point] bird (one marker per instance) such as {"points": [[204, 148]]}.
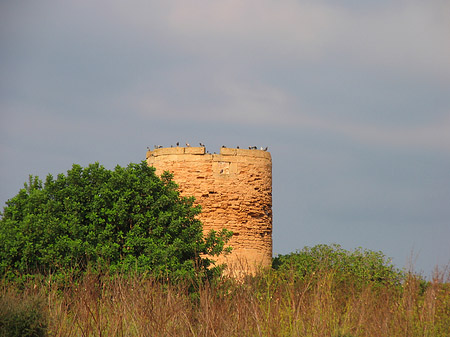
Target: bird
{"points": [[178, 143], [266, 148], [237, 147], [202, 145], [160, 146], [223, 146], [249, 147], [148, 149], [155, 147], [187, 145]]}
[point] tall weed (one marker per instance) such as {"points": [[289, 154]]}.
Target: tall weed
{"points": [[268, 303]]}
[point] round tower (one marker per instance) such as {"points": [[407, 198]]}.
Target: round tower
{"points": [[234, 189]]}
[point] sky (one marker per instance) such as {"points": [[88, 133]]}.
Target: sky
{"points": [[351, 97]]}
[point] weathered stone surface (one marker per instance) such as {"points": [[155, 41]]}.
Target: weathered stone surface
{"points": [[234, 189], [227, 151], [194, 150]]}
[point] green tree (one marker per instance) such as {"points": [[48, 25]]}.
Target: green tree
{"points": [[127, 219]]}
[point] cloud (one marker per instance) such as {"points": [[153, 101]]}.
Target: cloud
{"points": [[402, 35], [220, 99], [410, 34], [262, 28], [227, 45], [434, 135], [208, 61], [407, 36], [261, 104]]}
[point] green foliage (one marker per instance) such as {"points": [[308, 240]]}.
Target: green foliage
{"points": [[22, 318], [126, 220], [361, 266]]}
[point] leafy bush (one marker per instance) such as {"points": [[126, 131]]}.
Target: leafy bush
{"points": [[127, 219], [22, 317], [361, 266]]}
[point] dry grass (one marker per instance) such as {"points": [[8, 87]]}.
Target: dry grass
{"points": [[264, 305]]}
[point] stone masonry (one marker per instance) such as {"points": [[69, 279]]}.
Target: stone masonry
{"points": [[234, 189]]}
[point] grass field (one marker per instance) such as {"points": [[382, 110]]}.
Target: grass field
{"points": [[267, 304]]}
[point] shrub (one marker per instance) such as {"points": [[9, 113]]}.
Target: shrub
{"points": [[361, 266], [22, 317], [125, 220]]}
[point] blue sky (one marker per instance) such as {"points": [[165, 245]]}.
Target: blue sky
{"points": [[352, 98]]}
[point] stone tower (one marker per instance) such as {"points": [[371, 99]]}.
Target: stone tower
{"points": [[234, 189]]}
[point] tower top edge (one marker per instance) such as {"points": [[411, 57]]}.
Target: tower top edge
{"points": [[224, 151]]}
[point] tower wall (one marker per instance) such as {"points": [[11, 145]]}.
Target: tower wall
{"points": [[234, 189]]}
